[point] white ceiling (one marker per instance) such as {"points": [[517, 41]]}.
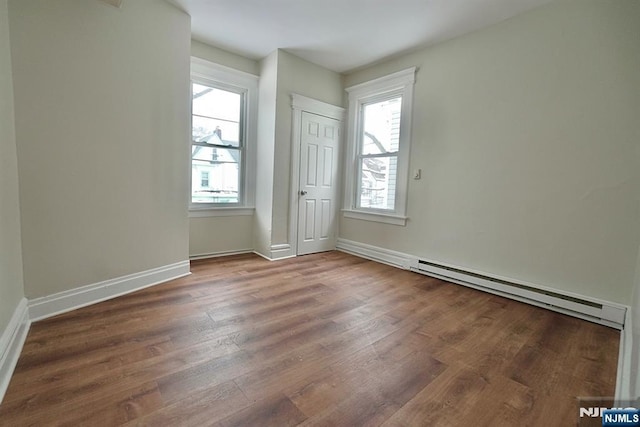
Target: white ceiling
{"points": [[341, 35]]}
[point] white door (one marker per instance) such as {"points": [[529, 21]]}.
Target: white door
{"points": [[318, 196]]}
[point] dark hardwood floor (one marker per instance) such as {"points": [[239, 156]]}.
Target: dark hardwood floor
{"points": [[326, 339]]}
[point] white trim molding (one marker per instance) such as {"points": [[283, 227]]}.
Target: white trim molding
{"points": [[216, 212], [203, 68], [592, 309], [387, 83], [375, 253], [11, 343], [62, 302], [282, 251], [277, 252], [197, 257], [374, 216], [277, 256], [304, 103]]}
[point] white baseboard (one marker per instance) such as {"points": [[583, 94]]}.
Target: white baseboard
{"points": [[219, 254], [281, 251], [11, 343], [277, 252], [261, 255], [375, 253], [51, 305]]}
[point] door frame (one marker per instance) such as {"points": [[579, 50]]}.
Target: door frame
{"points": [[300, 104]]}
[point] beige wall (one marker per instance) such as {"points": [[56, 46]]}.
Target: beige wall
{"points": [[527, 133], [216, 235], [223, 57], [102, 113], [282, 74], [267, 88], [11, 283], [220, 235], [295, 75], [635, 349]]}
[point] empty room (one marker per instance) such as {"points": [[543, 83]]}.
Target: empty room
{"points": [[331, 213]]}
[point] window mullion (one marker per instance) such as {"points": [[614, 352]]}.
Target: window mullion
{"points": [[373, 156], [226, 147]]}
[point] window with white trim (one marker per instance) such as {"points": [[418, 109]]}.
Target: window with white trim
{"points": [[223, 123], [378, 148]]}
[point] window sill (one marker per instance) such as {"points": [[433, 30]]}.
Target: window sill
{"points": [[376, 217], [214, 212]]}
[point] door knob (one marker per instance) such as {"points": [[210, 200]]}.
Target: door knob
{"points": [[303, 193]]}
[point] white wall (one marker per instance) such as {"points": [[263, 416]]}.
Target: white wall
{"points": [[218, 235], [11, 281], [527, 133], [102, 114]]}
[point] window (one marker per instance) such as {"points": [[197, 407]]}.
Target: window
{"points": [[378, 154], [223, 116], [378, 148], [204, 179], [217, 144]]}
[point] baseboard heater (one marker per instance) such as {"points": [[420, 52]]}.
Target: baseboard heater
{"points": [[597, 312]]}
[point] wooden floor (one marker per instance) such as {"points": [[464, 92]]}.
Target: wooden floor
{"points": [[326, 339]]}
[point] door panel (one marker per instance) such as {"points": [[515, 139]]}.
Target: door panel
{"points": [[327, 172], [325, 218], [312, 165], [317, 215], [310, 220]]}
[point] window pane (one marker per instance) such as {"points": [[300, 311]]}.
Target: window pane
{"points": [[381, 126], [378, 182], [215, 131], [221, 168], [217, 115], [216, 103]]}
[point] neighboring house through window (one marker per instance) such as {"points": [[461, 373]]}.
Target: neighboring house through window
{"points": [[217, 144], [223, 106], [378, 148]]}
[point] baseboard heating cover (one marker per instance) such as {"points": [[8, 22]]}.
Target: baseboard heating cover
{"points": [[589, 309]]}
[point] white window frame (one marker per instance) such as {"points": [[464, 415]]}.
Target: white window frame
{"points": [[215, 75], [396, 84]]}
